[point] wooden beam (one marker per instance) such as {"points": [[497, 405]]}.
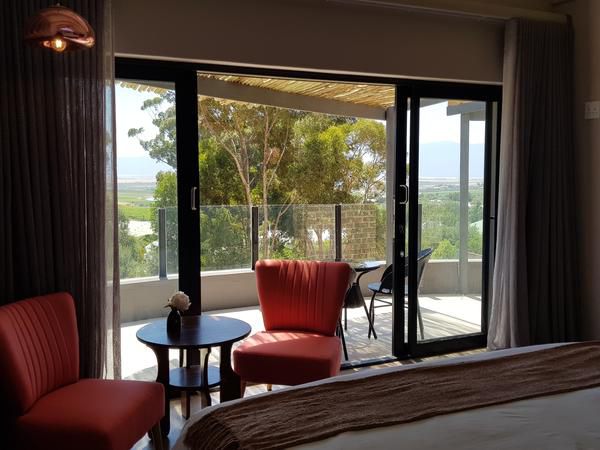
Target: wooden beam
{"points": [[250, 94]]}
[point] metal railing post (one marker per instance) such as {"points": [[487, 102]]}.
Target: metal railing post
{"points": [[338, 232], [162, 243], [254, 234]]}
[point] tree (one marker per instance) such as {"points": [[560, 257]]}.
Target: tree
{"points": [[257, 138], [225, 238], [162, 147], [337, 160], [132, 261], [475, 240], [273, 157], [445, 250], [165, 197], [219, 180], [320, 169], [367, 146]]}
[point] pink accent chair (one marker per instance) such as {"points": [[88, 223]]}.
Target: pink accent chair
{"points": [[48, 405], [301, 303]]}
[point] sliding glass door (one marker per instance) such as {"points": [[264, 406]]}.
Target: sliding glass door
{"points": [[393, 174], [295, 169], [451, 154], [157, 166]]}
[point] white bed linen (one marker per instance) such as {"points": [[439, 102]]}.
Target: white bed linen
{"points": [[557, 422]]}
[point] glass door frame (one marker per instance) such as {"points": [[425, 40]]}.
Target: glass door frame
{"points": [[186, 129], [492, 96], [184, 75]]}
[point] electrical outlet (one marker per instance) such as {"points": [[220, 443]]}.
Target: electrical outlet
{"points": [[592, 110]]}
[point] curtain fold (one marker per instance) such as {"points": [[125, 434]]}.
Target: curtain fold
{"points": [[53, 136], [535, 297], [113, 291]]}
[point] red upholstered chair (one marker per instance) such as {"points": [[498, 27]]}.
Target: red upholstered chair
{"points": [[47, 404], [301, 303]]}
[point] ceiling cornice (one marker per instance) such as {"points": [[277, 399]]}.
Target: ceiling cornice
{"points": [[469, 8]]}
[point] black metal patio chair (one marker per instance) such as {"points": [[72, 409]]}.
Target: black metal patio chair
{"points": [[385, 286]]}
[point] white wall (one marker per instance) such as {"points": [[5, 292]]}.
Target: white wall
{"points": [[145, 298], [311, 34], [586, 22], [325, 36]]}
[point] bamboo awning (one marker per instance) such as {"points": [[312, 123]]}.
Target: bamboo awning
{"points": [[338, 98], [379, 96]]}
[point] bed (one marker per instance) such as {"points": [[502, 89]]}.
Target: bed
{"points": [[564, 419]]}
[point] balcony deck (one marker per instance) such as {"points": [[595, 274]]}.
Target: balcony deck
{"points": [[443, 315]]}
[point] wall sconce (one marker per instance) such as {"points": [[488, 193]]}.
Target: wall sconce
{"points": [[59, 29]]}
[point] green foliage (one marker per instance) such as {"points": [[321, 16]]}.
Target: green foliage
{"points": [[441, 217], [136, 212], [259, 155], [440, 223], [475, 241], [381, 232], [165, 193], [220, 183], [132, 252], [257, 141], [321, 171], [288, 252], [224, 237], [165, 196], [475, 206], [445, 250], [161, 147]]}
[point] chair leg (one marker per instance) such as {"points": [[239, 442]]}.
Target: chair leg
{"points": [[242, 388], [371, 327], [345, 318], [269, 387], [372, 315], [420, 320], [156, 436], [341, 334]]}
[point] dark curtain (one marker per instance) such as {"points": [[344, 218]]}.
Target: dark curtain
{"points": [[535, 298], [53, 143]]}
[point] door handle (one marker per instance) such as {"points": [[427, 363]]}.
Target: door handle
{"points": [[403, 200], [193, 198]]}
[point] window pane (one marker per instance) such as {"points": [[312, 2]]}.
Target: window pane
{"points": [[451, 170]]}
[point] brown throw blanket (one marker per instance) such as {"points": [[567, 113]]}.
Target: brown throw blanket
{"points": [[288, 418]]}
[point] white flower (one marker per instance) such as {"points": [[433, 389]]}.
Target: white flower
{"points": [[179, 300]]}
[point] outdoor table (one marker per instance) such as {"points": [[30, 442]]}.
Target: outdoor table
{"points": [[354, 297]]}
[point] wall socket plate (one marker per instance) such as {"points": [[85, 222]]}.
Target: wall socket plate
{"points": [[592, 110]]}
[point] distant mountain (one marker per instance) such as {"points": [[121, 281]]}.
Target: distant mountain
{"points": [[442, 160], [141, 167]]}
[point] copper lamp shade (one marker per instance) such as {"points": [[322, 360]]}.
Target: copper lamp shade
{"points": [[60, 29]]}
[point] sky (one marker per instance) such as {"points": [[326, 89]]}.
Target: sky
{"points": [[129, 115], [435, 127]]}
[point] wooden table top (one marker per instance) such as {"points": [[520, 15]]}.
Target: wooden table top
{"points": [[198, 331]]}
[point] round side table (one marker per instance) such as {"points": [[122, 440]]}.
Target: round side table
{"points": [[199, 332]]}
